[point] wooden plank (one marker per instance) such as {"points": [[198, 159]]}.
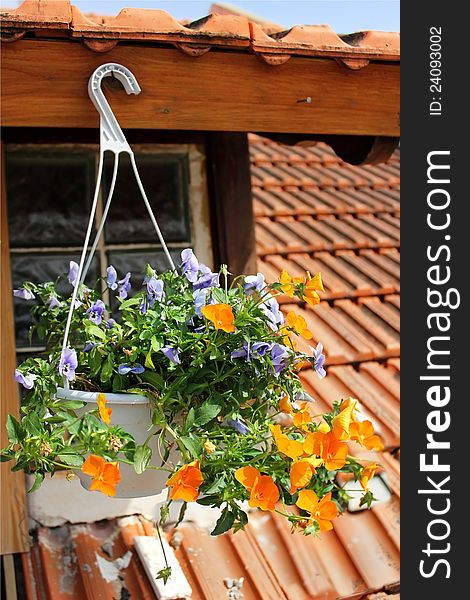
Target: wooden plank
{"points": [[10, 580], [220, 91], [13, 505], [233, 234]]}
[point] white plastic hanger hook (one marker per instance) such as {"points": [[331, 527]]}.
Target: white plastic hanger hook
{"points": [[111, 136]]}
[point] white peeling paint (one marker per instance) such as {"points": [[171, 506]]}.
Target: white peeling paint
{"points": [[110, 569]]}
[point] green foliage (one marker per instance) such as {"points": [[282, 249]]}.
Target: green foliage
{"points": [[214, 392]]}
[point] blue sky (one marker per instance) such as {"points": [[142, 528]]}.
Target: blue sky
{"points": [[344, 16]]}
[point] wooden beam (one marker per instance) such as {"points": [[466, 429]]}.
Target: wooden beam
{"points": [[13, 506], [44, 84], [233, 234]]}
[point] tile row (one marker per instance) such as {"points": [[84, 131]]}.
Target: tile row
{"points": [[217, 30], [326, 232]]}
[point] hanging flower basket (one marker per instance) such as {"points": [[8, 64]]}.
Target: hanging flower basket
{"points": [[190, 385]]}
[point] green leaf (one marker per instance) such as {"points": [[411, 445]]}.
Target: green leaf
{"points": [[189, 419], [192, 445], [224, 523], [154, 379], [156, 343], [73, 460], [95, 331], [94, 361], [142, 457], [164, 574], [4, 457], [218, 294], [118, 382], [148, 360], [129, 302], [217, 486], [208, 500], [38, 479], [71, 404], [14, 430], [107, 369], [206, 412], [32, 424]]}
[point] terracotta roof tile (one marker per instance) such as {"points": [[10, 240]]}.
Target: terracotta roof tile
{"points": [[215, 30], [357, 556]]}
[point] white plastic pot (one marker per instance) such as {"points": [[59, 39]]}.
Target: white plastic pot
{"points": [[134, 414]]}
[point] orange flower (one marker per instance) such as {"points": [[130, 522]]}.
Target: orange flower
{"points": [[327, 447], [323, 511], [363, 432], [287, 337], [285, 405], [105, 413], [286, 283], [343, 420], [263, 491], [312, 286], [185, 482], [221, 315], [291, 448], [105, 475], [302, 417], [367, 474], [298, 324], [301, 473]]}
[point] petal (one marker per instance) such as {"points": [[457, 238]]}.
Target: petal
{"points": [[111, 473], [300, 475], [105, 488], [93, 465], [324, 524], [307, 500], [182, 492], [247, 476]]}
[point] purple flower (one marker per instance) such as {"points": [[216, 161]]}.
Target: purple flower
{"points": [[242, 352], [236, 424], [154, 291], [207, 280], [68, 363], [111, 277], [90, 346], [24, 294], [254, 282], [126, 368], [73, 273], [319, 360], [27, 381], [260, 348], [143, 306], [189, 265], [53, 302], [200, 300], [270, 308], [279, 356], [95, 312], [124, 286], [172, 354], [249, 351], [110, 323]]}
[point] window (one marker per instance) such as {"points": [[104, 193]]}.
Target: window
{"points": [[49, 194]]}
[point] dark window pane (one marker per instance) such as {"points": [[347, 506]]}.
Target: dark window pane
{"points": [[39, 268], [165, 180], [49, 197]]}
